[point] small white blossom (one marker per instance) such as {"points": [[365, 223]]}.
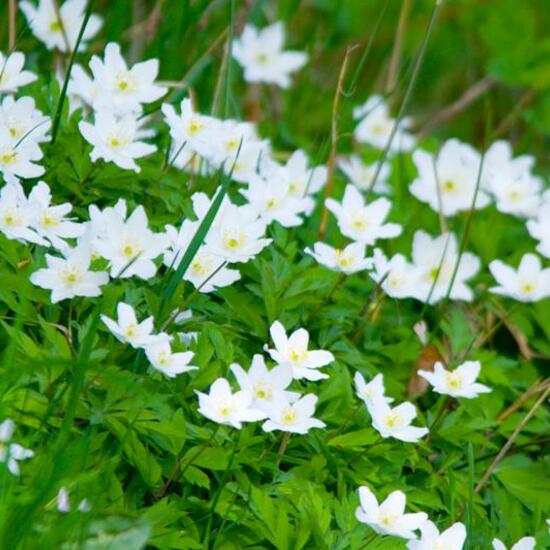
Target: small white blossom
{"points": [[273, 201], [525, 543], [51, 221], [115, 140], [349, 259], [60, 32], [63, 504], [292, 350], [452, 538], [18, 216], [395, 422], [11, 453], [171, 364], [396, 276], [12, 75], [539, 227], [530, 283], [237, 234], [510, 180], [223, 406], [361, 174], [18, 158], [363, 222], [121, 89], [296, 417], [206, 271], [70, 276], [460, 382], [388, 517], [435, 259], [128, 329], [265, 385], [23, 121], [260, 53], [129, 244], [448, 180], [376, 125], [369, 392]]}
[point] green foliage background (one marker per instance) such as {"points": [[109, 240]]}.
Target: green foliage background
{"points": [[106, 427]]}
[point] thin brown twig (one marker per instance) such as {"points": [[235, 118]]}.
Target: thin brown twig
{"points": [[331, 164], [464, 101], [512, 438], [537, 387], [61, 26], [11, 26], [395, 60]]}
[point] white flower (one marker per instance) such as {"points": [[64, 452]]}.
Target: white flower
{"points": [[51, 221], [460, 382], [237, 234], [18, 216], [436, 259], [539, 228], [349, 259], [223, 406], [526, 543], [363, 222], [293, 417], [452, 538], [17, 158], [12, 75], [529, 283], [190, 129], [206, 271], [265, 385], [371, 391], [11, 453], [121, 89], [515, 188], [61, 34], [376, 125], [114, 140], [171, 364], [129, 244], [70, 276], [302, 181], [396, 276], [395, 422], [260, 53], [63, 504], [22, 120], [447, 181], [128, 329], [292, 350], [273, 201], [361, 174], [389, 517]]}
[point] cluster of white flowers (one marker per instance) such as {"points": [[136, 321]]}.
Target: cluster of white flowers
{"points": [[389, 518], [22, 127], [264, 393], [127, 329], [11, 453]]}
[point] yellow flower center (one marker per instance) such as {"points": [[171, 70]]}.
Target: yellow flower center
{"points": [[262, 58], [55, 26], [393, 420], [9, 157], [449, 186], [130, 331], [454, 380], [289, 416], [298, 356], [194, 127]]}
